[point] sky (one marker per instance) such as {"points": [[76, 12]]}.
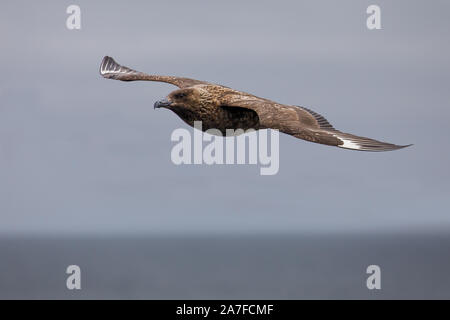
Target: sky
{"points": [[82, 154]]}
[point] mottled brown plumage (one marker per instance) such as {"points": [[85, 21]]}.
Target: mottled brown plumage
{"points": [[220, 107]]}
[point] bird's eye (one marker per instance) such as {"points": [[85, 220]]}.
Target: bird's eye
{"points": [[180, 95]]}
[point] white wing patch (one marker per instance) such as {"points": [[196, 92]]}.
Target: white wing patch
{"points": [[348, 144], [111, 67], [350, 141]]}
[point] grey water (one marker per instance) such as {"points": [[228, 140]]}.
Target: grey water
{"points": [[413, 266]]}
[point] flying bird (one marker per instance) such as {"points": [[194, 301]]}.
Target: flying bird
{"points": [[220, 107]]}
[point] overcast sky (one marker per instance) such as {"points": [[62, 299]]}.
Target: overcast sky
{"points": [[81, 154]]}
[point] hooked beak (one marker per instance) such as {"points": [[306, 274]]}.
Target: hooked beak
{"points": [[162, 103]]}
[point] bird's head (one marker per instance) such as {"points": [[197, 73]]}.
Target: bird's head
{"points": [[182, 98], [186, 98]]}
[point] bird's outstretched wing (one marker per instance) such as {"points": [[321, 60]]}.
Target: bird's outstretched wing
{"points": [[323, 130], [306, 124], [110, 69]]}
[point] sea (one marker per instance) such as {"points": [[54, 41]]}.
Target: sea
{"points": [[322, 266]]}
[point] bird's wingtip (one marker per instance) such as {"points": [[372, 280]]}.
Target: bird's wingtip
{"points": [[397, 147], [353, 142], [107, 58], [110, 69], [105, 65]]}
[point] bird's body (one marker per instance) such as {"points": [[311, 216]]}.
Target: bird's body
{"points": [[222, 108], [209, 108]]}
